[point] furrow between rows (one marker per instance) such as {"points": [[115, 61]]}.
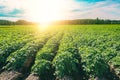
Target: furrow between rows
{"points": [[42, 69], [20, 61]]}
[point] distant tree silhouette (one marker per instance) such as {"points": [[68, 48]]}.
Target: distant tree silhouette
{"points": [[89, 21], [6, 22], [64, 22]]}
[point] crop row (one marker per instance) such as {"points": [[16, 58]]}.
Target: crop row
{"points": [[22, 58], [90, 55], [15, 44], [79, 54], [6, 49], [67, 62], [43, 62], [10, 35], [97, 51]]}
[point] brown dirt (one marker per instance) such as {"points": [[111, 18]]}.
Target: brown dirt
{"points": [[10, 75], [28, 62], [32, 77]]}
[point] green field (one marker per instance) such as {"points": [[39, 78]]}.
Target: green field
{"points": [[61, 52]]}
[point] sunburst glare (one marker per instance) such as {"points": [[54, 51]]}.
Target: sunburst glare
{"points": [[47, 11]]}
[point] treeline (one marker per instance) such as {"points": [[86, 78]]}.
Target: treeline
{"points": [[19, 22], [74, 22], [89, 21]]}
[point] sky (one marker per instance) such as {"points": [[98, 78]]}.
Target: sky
{"points": [[34, 10]]}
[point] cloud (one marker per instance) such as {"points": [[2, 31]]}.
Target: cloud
{"points": [[29, 8], [72, 9], [102, 9], [10, 8]]}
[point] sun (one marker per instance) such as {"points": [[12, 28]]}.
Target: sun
{"points": [[47, 11]]}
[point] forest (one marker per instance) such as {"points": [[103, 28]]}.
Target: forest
{"points": [[63, 22]]}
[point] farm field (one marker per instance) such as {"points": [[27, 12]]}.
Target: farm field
{"points": [[60, 52]]}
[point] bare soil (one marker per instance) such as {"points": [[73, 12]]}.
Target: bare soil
{"points": [[10, 75]]}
